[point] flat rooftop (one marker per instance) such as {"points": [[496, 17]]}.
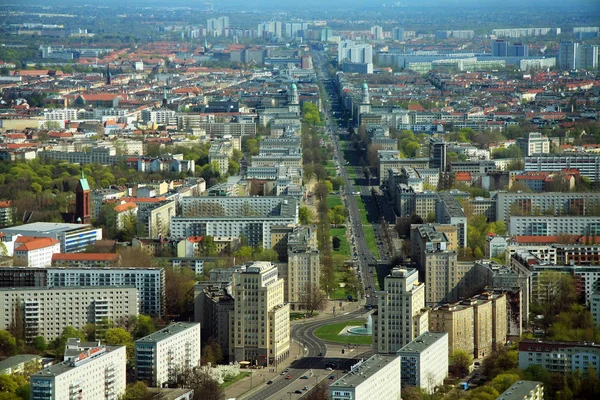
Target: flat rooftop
{"points": [[422, 343], [45, 227], [66, 366], [366, 370], [16, 360], [519, 390], [167, 332]]}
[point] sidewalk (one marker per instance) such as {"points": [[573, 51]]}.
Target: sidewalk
{"points": [[243, 387]]}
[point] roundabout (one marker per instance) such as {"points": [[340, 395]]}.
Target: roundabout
{"points": [[357, 331]]}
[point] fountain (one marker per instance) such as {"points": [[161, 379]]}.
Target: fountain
{"points": [[366, 330]]}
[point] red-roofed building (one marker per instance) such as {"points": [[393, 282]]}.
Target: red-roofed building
{"points": [[92, 260], [125, 211], [35, 252], [108, 100], [464, 178], [6, 213]]}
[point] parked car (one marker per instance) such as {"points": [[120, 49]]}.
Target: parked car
{"points": [[288, 377], [270, 382]]}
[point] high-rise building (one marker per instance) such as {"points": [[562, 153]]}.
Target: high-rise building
{"points": [[260, 324], [160, 355], [302, 272], [441, 276], [437, 154], [377, 32], [499, 48], [588, 57], [534, 143], [400, 316], [213, 308], [217, 26], [83, 201], [567, 55], [424, 361], [398, 34], [547, 354], [518, 50], [47, 311], [353, 52], [95, 373]]}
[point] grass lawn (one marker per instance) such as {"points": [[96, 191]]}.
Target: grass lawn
{"points": [[230, 382], [332, 201], [370, 238], [330, 333], [341, 234]]}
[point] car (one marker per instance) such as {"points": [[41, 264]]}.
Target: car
{"points": [[270, 382], [298, 391], [288, 377], [305, 388], [320, 354], [282, 373], [304, 377], [329, 369], [331, 376]]}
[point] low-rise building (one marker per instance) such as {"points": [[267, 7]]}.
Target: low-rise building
{"points": [[83, 260], [424, 361], [22, 364], [35, 252], [162, 354], [72, 237], [524, 390], [559, 356], [375, 378], [96, 373]]}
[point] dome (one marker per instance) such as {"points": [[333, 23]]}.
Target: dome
{"points": [[364, 85], [294, 86]]}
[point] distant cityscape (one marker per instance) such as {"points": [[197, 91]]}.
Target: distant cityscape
{"points": [[353, 202]]}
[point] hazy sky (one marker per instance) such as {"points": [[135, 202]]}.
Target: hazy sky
{"points": [[348, 4]]}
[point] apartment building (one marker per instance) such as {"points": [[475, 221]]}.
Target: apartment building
{"points": [[164, 353], [534, 143], [213, 308], [220, 152], [375, 378], [22, 364], [46, 311], [441, 275], [424, 361], [303, 270], [477, 325], [150, 282], [595, 307], [96, 373], [35, 252], [83, 260], [524, 390], [448, 210], [401, 314], [588, 164], [559, 356], [260, 326], [542, 225], [556, 203], [431, 236], [154, 217], [251, 217]]}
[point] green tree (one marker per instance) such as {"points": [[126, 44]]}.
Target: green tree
{"points": [[144, 325], [7, 384], [504, 381], [211, 353], [39, 343], [336, 242], [120, 337], [138, 391], [244, 254], [460, 362], [8, 344], [305, 215]]}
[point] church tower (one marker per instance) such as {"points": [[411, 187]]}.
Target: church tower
{"points": [[365, 101], [107, 73], [83, 201], [164, 100], [294, 100]]}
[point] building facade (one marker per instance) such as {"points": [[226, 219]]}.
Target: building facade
{"points": [[97, 373], [424, 361], [559, 356], [162, 354], [401, 314], [47, 311], [260, 326]]}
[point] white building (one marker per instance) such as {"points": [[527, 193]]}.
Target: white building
{"points": [[559, 356], [251, 217], [534, 143], [97, 373], [46, 311], [260, 325], [36, 252], [424, 361], [150, 282], [553, 226], [160, 355], [73, 237], [524, 390], [399, 317], [376, 378], [595, 307]]}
